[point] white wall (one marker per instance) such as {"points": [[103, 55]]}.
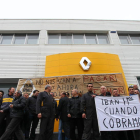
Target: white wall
{"points": [[28, 61]]}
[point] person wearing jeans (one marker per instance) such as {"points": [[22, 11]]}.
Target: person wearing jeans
{"points": [[62, 112], [60, 130]]}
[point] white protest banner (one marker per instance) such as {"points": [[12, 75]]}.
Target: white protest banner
{"points": [[118, 113]]}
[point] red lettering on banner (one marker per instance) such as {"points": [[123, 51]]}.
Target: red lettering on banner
{"points": [[120, 90], [86, 77], [94, 90], [112, 78], [91, 79], [105, 78], [98, 78]]}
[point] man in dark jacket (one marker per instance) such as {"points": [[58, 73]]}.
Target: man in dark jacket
{"points": [[1, 96], [33, 119], [62, 112], [105, 135], [16, 113], [26, 120], [55, 103], [44, 109], [89, 114], [5, 112], [115, 134], [3, 124], [104, 92], [75, 115]]}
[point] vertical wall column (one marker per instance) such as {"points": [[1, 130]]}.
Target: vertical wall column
{"points": [[43, 37]]}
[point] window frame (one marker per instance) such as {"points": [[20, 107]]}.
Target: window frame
{"points": [[95, 39], [14, 37], [106, 39], [28, 38], [130, 41], [11, 38], [82, 34], [84, 38]]}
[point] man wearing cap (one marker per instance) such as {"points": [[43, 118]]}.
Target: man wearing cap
{"points": [[44, 109], [16, 113]]}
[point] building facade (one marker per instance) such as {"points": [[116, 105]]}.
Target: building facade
{"points": [[24, 45]]}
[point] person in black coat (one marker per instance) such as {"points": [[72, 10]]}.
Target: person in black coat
{"points": [[55, 103], [3, 124], [33, 119], [5, 110], [89, 114], [44, 109], [1, 95], [16, 113], [25, 122], [62, 112], [75, 115], [105, 135]]}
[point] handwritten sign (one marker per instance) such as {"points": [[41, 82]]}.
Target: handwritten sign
{"points": [[79, 82], [118, 113]]}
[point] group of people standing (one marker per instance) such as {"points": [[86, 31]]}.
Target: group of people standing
{"points": [[19, 116]]}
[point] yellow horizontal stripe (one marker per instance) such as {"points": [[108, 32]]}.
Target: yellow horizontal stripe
{"points": [[7, 100]]}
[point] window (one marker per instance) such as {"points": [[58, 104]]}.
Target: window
{"points": [[135, 39], [102, 39], [19, 38], [91, 38], [54, 39], [7, 39], [129, 38], [124, 39], [66, 38], [32, 38], [77, 38]]}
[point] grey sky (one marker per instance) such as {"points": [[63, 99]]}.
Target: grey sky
{"points": [[70, 9]]}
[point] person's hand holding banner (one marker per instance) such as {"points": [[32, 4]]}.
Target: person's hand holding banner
{"points": [[118, 113]]}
